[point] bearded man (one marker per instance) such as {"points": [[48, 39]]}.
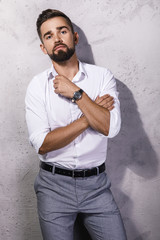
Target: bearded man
{"points": [[71, 111]]}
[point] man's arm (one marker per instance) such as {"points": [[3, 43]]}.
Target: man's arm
{"points": [[97, 116], [61, 137]]}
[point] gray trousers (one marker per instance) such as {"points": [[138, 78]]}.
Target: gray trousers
{"points": [[61, 198]]}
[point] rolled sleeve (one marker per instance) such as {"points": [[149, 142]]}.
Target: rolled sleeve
{"points": [[115, 123], [115, 115], [36, 116], [37, 138]]}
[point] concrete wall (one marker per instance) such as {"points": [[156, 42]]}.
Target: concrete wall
{"points": [[123, 36]]}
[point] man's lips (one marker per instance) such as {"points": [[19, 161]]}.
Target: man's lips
{"points": [[59, 47]]}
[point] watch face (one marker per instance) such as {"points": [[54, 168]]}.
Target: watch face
{"points": [[77, 95]]}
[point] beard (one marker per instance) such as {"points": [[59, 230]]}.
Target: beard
{"points": [[62, 56]]}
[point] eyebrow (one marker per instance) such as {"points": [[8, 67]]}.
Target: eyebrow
{"points": [[58, 28], [47, 33]]}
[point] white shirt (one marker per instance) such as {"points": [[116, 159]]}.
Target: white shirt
{"points": [[46, 111]]}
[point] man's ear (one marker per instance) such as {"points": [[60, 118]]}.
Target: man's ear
{"points": [[43, 48], [76, 38]]}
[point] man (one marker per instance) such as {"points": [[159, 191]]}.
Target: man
{"points": [[70, 116]]}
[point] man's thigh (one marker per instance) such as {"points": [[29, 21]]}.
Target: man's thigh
{"points": [[56, 205], [59, 228], [104, 226], [99, 210]]}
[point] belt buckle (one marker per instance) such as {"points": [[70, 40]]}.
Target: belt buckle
{"points": [[97, 170], [53, 169], [73, 173], [84, 173]]}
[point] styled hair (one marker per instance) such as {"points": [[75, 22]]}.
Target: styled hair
{"points": [[48, 14]]}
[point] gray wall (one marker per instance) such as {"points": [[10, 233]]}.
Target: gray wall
{"points": [[123, 36]]}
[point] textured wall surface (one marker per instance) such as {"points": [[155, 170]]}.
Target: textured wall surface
{"points": [[123, 36]]}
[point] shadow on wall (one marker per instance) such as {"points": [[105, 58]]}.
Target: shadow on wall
{"points": [[83, 49], [130, 149]]}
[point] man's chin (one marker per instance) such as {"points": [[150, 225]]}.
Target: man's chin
{"points": [[62, 55]]}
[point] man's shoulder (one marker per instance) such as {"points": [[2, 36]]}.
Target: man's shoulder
{"points": [[38, 82], [95, 68], [40, 78]]}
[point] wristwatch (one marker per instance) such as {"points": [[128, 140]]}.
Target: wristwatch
{"points": [[77, 95]]}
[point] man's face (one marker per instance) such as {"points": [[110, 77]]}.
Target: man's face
{"points": [[58, 39]]}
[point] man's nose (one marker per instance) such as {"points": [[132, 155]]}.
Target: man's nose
{"points": [[58, 38]]}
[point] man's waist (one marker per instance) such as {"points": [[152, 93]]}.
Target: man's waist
{"points": [[73, 173]]}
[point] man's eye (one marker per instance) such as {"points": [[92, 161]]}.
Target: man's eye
{"points": [[48, 37], [63, 32]]}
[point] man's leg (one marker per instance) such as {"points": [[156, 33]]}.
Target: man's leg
{"points": [[56, 204], [105, 226], [99, 211], [58, 228]]}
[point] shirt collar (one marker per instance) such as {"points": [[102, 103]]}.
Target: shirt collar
{"points": [[52, 72]]}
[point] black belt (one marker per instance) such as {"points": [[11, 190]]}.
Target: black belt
{"points": [[73, 173]]}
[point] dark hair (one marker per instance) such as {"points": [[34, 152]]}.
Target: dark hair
{"points": [[51, 13]]}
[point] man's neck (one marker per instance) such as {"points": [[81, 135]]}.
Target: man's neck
{"points": [[68, 68]]}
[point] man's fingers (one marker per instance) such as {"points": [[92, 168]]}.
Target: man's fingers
{"points": [[109, 100], [55, 85], [100, 99], [106, 98], [110, 108], [105, 95], [56, 91], [106, 101], [108, 104], [97, 100]]}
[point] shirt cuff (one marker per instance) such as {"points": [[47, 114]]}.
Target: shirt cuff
{"points": [[37, 139], [115, 123]]}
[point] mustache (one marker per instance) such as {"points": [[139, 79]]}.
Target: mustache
{"points": [[60, 44]]}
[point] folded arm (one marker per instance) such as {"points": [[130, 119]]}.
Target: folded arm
{"points": [[97, 116], [61, 137]]}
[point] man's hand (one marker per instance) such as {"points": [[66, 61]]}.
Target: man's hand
{"points": [[105, 101], [64, 86]]}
